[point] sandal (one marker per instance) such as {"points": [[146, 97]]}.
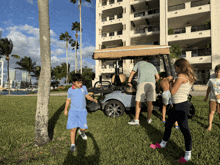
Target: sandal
{"points": [[154, 146]]}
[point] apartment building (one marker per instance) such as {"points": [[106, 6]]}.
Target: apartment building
{"points": [[160, 22]]}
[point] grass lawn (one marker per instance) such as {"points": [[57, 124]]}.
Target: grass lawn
{"points": [[111, 141]]}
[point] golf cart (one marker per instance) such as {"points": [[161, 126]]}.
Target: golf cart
{"points": [[117, 98]]}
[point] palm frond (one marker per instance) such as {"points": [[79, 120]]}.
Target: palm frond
{"points": [[16, 56]]}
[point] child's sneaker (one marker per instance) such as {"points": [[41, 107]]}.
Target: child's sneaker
{"points": [[134, 122], [83, 135], [73, 148], [149, 121]]}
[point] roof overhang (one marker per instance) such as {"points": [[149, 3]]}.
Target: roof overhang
{"points": [[130, 52]]}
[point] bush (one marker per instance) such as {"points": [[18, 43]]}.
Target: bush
{"points": [[170, 31]]}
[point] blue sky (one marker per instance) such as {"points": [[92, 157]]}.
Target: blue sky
{"points": [[19, 22]]}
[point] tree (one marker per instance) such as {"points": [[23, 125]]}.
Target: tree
{"points": [[175, 51], [76, 27], [64, 69], [6, 47], [66, 37], [80, 6], [27, 65], [59, 73], [43, 94]]}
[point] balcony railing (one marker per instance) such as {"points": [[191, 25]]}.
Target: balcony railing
{"points": [[200, 3], [139, 14], [119, 16], [111, 18], [176, 7], [119, 32], [199, 28], [119, 0], [197, 52], [204, 52], [111, 2], [104, 3], [104, 34], [179, 31], [111, 34], [104, 19], [153, 29], [153, 11], [139, 30]]}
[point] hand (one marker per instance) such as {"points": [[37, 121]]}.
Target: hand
{"points": [[130, 84], [217, 96], [65, 112], [205, 99], [95, 100], [170, 78]]}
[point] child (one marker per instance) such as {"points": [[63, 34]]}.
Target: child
{"points": [[77, 113], [166, 95], [179, 96], [214, 97]]}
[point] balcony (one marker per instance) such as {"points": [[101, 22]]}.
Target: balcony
{"points": [[144, 14], [199, 28], [108, 68], [189, 8], [112, 35], [200, 3], [112, 20], [198, 56], [190, 33], [111, 4], [144, 31]]}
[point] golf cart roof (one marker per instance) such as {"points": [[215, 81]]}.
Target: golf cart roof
{"points": [[131, 51]]}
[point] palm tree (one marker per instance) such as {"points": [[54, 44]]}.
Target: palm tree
{"points": [[66, 37], [76, 27], [59, 73], [27, 65], [37, 72], [6, 46], [63, 66], [74, 44], [80, 6], [43, 94]]}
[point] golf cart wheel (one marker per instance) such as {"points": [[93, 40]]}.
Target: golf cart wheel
{"points": [[114, 108]]}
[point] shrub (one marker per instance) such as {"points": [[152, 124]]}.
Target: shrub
{"points": [[170, 31]]}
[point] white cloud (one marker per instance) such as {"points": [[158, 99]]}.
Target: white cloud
{"points": [[1, 29], [24, 45], [57, 52], [30, 1], [8, 23], [30, 17]]}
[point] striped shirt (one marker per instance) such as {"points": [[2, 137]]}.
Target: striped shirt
{"points": [[182, 94]]}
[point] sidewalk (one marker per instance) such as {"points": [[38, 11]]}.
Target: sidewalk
{"points": [[193, 93]]}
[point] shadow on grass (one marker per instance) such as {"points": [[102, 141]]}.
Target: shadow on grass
{"points": [[80, 158], [53, 120]]}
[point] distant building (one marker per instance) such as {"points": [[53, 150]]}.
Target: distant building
{"points": [[12, 84], [25, 77], [1, 73], [12, 74]]}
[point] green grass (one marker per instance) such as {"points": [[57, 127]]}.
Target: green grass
{"points": [[111, 141]]}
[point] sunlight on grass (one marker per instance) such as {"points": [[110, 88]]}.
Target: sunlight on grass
{"points": [[110, 140]]}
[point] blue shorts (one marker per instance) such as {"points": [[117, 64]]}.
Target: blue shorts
{"points": [[166, 97], [77, 119]]}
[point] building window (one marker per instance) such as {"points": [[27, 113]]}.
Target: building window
{"points": [[119, 32], [111, 34]]}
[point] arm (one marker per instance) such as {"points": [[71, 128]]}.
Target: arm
{"points": [[90, 98], [208, 91], [157, 77], [66, 106], [175, 86], [131, 76]]}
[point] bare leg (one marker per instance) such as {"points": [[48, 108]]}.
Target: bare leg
{"points": [[149, 109], [73, 135], [164, 112], [137, 110], [212, 109], [82, 130]]}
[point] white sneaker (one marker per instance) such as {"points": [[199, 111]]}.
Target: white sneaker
{"points": [[83, 135], [134, 122], [149, 121]]}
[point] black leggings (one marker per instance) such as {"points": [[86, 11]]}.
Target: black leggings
{"points": [[179, 113]]}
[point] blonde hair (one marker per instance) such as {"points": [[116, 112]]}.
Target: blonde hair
{"points": [[186, 68]]}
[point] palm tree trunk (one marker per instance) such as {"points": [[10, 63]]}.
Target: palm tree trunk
{"points": [[43, 94], [76, 68], [80, 38], [30, 78], [9, 93], [67, 63]]}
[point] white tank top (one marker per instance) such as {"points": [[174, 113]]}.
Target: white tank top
{"points": [[182, 94]]}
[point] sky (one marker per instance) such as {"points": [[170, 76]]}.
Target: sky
{"points": [[19, 22]]}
